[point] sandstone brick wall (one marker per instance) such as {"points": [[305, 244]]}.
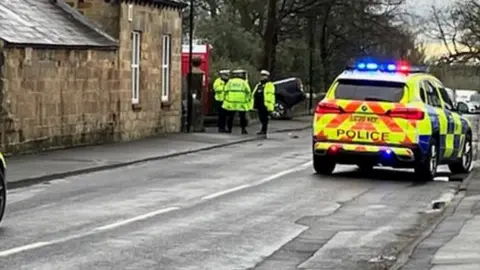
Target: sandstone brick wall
{"points": [[106, 14], [57, 98], [61, 98], [153, 23], [459, 77]]}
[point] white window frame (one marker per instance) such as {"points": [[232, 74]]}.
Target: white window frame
{"points": [[136, 47], [166, 58]]}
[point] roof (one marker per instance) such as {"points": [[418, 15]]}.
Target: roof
{"points": [[374, 76], [48, 23]]}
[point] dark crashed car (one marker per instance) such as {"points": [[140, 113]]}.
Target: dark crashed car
{"points": [[288, 93]]}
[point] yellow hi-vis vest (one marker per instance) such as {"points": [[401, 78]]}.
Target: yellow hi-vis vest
{"points": [[237, 95], [268, 96], [219, 89]]}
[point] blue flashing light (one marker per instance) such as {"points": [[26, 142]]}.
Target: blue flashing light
{"points": [[399, 66], [372, 66], [387, 153]]}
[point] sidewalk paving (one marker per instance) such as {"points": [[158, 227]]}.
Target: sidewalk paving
{"points": [[49, 165], [455, 243]]}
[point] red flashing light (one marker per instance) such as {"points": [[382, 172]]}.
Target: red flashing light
{"points": [[327, 108], [407, 113], [333, 149]]}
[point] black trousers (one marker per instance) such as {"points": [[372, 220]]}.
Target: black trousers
{"points": [[222, 115], [263, 116], [231, 116]]}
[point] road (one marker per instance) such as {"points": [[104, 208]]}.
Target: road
{"points": [[255, 205]]}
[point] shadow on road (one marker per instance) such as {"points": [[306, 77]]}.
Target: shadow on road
{"points": [[387, 174]]}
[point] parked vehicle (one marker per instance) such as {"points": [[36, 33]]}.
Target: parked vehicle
{"points": [[468, 101], [288, 93]]}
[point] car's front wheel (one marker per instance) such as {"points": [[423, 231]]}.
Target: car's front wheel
{"points": [[322, 165], [3, 196], [426, 169], [464, 165], [282, 111]]}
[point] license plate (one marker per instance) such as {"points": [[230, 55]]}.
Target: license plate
{"points": [[364, 118]]}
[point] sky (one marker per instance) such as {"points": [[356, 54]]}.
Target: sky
{"points": [[422, 7]]}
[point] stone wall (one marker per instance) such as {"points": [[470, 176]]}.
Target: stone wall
{"points": [[58, 98], [458, 77], [153, 23], [102, 12]]}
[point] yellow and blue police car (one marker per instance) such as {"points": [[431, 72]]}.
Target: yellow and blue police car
{"points": [[390, 114], [3, 187]]}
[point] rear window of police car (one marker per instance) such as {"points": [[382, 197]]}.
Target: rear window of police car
{"points": [[369, 90]]}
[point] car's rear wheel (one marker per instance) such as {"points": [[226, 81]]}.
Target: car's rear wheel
{"points": [[3, 196], [322, 165], [462, 107], [426, 169], [464, 165]]}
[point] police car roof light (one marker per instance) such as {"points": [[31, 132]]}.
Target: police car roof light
{"points": [[395, 67]]}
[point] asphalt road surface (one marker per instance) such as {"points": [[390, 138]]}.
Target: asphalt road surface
{"points": [[255, 205]]}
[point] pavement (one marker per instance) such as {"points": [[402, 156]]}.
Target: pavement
{"points": [[453, 243], [255, 205], [31, 169]]}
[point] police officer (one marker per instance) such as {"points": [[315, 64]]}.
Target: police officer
{"points": [[237, 99], [263, 99], [219, 90]]}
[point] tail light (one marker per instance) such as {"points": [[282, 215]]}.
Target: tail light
{"points": [[407, 113], [325, 108]]}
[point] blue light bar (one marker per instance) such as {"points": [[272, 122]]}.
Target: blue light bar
{"points": [[372, 66], [391, 67]]}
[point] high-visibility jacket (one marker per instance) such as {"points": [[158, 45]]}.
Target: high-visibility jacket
{"points": [[237, 95], [219, 89], [268, 94]]}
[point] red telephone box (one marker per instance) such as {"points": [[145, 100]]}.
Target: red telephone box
{"points": [[201, 51]]}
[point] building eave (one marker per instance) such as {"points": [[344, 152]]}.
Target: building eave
{"points": [[158, 3], [8, 45]]}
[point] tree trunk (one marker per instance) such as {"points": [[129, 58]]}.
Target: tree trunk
{"points": [[270, 37]]}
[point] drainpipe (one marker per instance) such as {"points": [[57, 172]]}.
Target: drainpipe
{"points": [[2, 94]]}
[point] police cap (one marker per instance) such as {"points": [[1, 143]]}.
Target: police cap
{"points": [[224, 72], [264, 73]]}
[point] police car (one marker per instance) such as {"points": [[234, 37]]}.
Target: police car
{"points": [[390, 114]]}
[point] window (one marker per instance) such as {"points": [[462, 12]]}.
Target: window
{"points": [[422, 93], [446, 99], [166, 55], [136, 67], [370, 90], [433, 98]]}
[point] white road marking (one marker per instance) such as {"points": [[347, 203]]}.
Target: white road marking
{"points": [[214, 195], [135, 219], [23, 248], [265, 180], [37, 245]]}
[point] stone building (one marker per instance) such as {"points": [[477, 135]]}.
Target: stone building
{"points": [[88, 71]]}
